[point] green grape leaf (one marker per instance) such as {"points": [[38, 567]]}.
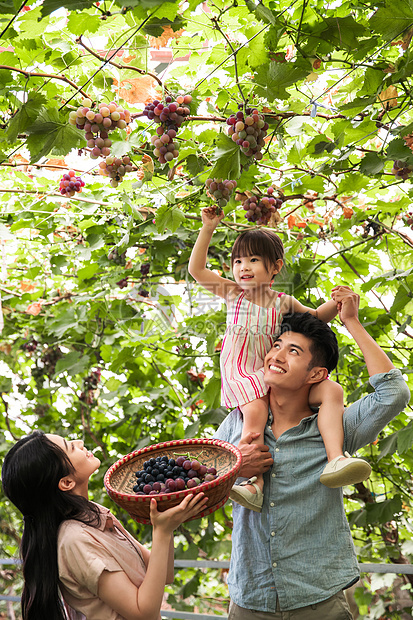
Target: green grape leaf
{"points": [[73, 363], [393, 18], [168, 217], [371, 164], [49, 6], [227, 157], [52, 134], [25, 116], [273, 78]]}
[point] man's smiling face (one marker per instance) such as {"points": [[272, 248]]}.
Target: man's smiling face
{"points": [[288, 363]]}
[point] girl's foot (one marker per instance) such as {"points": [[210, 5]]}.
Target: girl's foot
{"points": [[246, 498], [345, 470]]}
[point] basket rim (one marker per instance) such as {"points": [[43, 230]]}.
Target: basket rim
{"points": [[206, 486]]}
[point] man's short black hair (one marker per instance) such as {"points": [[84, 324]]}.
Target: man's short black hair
{"points": [[324, 346]]}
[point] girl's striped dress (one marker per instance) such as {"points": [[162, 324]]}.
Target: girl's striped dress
{"points": [[248, 338]]}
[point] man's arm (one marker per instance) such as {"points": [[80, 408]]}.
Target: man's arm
{"points": [[365, 418], [348, 305]]}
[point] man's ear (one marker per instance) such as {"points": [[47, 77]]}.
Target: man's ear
{"points": [[66, 483], [317, 374]]}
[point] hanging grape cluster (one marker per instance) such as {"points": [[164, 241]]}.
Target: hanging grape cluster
{"points": [[260, 208], [401, 170], [98, 124], [248, 131], [170, 116], [115, 168], [70, 184], [220, 190]]}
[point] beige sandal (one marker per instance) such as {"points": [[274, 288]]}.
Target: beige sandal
{"points": [[244, 497], [341, 472]]}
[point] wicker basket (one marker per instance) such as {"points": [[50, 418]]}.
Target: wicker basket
{"points": [[120, 478]]}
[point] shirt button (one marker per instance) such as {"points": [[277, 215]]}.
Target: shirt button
{"points": [[277, 449], [273, 475], [274, 564], [272, 504], [272, 533]]}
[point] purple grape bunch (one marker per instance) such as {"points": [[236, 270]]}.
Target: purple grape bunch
{"points": [[401, 170], [115, 168], [70, 184], [260, 208], [170, 116], [248, 131], [220, 190], [168, 475]]}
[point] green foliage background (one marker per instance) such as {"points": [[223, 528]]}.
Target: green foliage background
{"points": [[335, 87]]}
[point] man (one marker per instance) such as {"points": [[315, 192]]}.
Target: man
{"points": [[294, 559]]}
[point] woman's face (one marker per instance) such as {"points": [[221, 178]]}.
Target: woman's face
{"points": [[84, 462]]}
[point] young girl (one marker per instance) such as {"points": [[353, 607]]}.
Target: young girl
{"points": [[76, 549], [254, 312]]}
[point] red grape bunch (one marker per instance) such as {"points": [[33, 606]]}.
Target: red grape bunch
{"points": [[170, 116], [70, 184], [248, 131], [220, 190], [167, 475], [115, 168], [98, 124], [401, 170], [260, 208]]}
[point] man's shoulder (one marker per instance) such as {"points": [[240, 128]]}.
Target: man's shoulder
{"points": [[230, 428]]}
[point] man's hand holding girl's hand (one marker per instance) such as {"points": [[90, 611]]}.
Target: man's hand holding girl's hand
{"points": [[347, 302], [255, 457]]}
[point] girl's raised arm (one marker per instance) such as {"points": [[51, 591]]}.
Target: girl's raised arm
{"points": [[197, 263], [326, 312]]}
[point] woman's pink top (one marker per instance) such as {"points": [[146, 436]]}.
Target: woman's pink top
{"points": [[248, 338], [84, 552]]}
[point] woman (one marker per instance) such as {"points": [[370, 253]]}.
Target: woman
{"points": [[77, 549]]}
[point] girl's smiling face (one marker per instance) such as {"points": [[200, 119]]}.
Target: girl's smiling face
{"points": [[251, 272]]}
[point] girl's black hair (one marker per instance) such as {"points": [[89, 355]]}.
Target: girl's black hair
{"points": [[31, 473], [259, 242], [324, 346]]}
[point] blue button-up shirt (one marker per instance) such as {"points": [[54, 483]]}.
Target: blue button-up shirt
{"points": [[299, 548]]}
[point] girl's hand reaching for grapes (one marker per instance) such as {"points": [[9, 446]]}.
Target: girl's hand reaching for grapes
{"points": [[170, 519], [210, 219]]}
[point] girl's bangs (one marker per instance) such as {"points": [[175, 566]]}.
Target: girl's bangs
{"points": [[249, 245], [258, 243]]}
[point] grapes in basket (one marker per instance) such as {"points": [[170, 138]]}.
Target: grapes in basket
{"points": [[167, 475]]}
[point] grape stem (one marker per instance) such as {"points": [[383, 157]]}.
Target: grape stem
{"points": [[234, 53], [187, 455], [119, 65], [50, 76]]}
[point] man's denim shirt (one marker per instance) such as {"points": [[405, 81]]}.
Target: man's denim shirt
{"points": [[299, 547]]}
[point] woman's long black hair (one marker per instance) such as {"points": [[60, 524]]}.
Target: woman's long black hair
{"points": [[30, 475]]}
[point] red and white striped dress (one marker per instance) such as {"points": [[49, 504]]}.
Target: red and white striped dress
{"points": [[248, 338]]}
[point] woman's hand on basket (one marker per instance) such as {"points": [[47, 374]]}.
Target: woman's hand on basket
{"points": [[170, 519]]}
